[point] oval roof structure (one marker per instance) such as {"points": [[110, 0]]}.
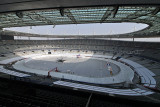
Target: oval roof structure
{"points": [[81, 15], [82, 29]]}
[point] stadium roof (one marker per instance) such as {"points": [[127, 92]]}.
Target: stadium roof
{"points": [[81, 12]]}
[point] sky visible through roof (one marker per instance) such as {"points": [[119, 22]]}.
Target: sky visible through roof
{"points": [[82, 29]]}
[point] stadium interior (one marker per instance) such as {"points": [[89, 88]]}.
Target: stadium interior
{"points": [[79, 70]]}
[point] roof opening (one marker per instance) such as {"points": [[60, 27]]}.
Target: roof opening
{"points": [[82, 29]]}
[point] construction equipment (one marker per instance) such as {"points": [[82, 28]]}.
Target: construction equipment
{"points": [[55, 69]]}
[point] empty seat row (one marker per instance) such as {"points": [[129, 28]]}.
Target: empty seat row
{"points": [[130, 92], [3, 70], [145, 74]]}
